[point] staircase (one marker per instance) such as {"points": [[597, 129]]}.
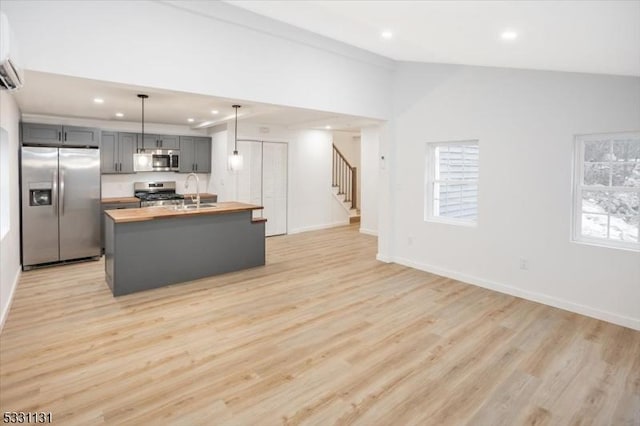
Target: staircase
{"points": [[344, 181]]}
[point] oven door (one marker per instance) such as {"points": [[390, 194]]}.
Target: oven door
{"points": [[161, 162]]}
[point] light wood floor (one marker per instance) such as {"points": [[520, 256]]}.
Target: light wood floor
{"points": [[324, 334]]}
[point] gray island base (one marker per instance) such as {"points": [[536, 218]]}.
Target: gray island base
{"points": [[143, 254]]}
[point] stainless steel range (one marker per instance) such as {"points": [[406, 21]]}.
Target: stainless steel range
{"points": [[152, 194]]}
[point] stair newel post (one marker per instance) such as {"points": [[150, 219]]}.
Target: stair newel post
{"points": [[354, 186], [349, 183]]}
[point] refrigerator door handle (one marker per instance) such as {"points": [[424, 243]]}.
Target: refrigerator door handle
{"points": [[54, 192], [61, 192]]}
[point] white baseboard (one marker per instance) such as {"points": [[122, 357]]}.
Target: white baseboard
{"points": [[625, 321], [5, 312], [368, 231], [319, 227], [384, 258]]}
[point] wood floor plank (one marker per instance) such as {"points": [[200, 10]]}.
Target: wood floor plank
{"points": [[323, 334]]}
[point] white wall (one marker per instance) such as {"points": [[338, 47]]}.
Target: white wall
{"points": [[311, 202], [369, 171], [210, 48], [525, 122], [10, 243]]}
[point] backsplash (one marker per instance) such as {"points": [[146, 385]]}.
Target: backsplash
{"points": [[122, 185]]}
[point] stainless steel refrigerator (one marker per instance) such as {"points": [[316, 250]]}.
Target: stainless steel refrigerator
{"points": [[60, 204]]}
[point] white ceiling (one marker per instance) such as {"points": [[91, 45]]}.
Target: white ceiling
{"points": [[582, 36], [58, 95]]}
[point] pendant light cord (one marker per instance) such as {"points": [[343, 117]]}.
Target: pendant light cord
{"points": [[142, 97], [235, 135]]}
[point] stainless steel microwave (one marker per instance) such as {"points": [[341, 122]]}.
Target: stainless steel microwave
{"points": [[157, 160]]}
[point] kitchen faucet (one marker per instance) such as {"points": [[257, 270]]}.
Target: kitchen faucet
{"points": [[186, 186]]}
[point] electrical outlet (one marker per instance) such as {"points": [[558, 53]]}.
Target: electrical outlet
{"points": [[524, 264], [410, 241]]}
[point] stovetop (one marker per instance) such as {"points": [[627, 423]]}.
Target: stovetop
{"points": [[158, 196]]}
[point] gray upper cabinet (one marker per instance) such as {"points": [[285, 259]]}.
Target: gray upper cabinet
{"points": [[116, 152], [152, 141], [85, 136], [195, 154], [203, 155], [109, 153], [41, 134], [149, 141], [169, 142], [51, 134], [127, 146]]}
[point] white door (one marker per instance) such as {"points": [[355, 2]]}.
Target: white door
{"points": [[274, 187], [263, 181]]}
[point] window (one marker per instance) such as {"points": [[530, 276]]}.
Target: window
{"points": [[607, 190], [452, 182]]}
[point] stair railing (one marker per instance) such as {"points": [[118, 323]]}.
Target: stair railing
{"points": [[344, 177]]}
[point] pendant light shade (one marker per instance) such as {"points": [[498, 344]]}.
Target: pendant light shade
{"points": [[235, 159]]}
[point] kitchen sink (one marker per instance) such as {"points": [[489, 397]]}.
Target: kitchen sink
{"points": [[188, 207]]}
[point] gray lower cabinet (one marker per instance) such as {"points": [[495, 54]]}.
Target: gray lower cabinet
{"points": [[152, 141], [155, 253], [112, 206], [116, 153], [52, 134], [195, 154]]}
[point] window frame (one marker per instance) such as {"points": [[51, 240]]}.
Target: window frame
{"points": [[578, 187], [430, 181]]}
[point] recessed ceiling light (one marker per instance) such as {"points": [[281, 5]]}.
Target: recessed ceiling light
{"points": [[327, 127], [386, 34], [119, 114], [509, 35], [98, 100], [190, 120], [215, 111]]}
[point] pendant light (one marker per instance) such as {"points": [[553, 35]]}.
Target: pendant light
{"points": [[142, 98], [235, 159]]}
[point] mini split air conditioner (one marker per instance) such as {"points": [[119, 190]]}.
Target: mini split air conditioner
{"points": [[11, 77]]}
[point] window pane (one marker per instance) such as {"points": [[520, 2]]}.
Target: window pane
{"points": [[597, 151], [455, 192], [624, 203], [596, 174], [458, 201], [626, 174], [623, 228], [626, 150], [594, 225], [595, 201]]}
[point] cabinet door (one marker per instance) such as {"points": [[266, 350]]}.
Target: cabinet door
{"points": [[82, 136], [202, 156], [169, 142], [41, 134], [150, 141], [109, 153], [187, 152], [126, 149]]}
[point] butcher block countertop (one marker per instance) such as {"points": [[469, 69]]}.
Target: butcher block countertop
{"points": [[153, 213], [120, 200]]}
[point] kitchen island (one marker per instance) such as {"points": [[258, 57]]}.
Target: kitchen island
{"points": [[153, 247]]}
